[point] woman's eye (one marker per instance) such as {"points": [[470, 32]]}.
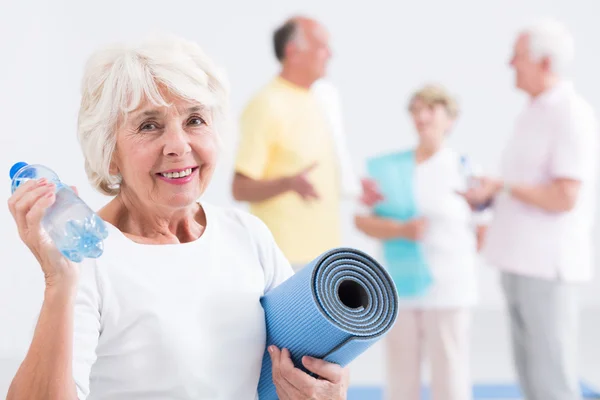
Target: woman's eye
{"points": [[148, 126], [196, 121]]}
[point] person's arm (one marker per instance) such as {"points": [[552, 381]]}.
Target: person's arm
{"points": [[379, 228], [245, 188], [480, 232], [46, 371], [384, 229], [259, 128], [255, 190], [560, 195], [572, 159], [62, 350]]}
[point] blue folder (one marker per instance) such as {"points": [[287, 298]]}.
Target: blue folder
{"points": [[404, 259]]}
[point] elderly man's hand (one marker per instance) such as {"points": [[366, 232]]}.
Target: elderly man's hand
{"points": [[293, 384], [484, 191], [300, 184]]}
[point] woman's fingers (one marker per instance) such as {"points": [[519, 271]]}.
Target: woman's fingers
{"points": [[293, 383], [295, 377], [38, 209], [326, 370], [24, 203], [285, 390], [19, 193]]}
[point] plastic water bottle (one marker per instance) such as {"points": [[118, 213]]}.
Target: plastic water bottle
{"points": [[467, 170], [75, 229], [471, 179]]}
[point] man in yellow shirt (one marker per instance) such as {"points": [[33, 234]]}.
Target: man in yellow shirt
{"points": [[286, 166]]}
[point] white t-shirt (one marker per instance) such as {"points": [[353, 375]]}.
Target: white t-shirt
{"points": [[449, 242], [183, 321], [556, 136]]}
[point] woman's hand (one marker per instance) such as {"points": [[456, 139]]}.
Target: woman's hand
{"points": [[414, 229], [480, 236], [293, 384], [28, 205], [370, 193]]}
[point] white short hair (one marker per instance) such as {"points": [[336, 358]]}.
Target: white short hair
{"points": [[120, 77], [549, 38]]}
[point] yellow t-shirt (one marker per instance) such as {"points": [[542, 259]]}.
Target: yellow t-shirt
{"points": [[284, 131]]}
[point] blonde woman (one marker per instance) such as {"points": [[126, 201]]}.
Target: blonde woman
{"points": [[442, 234]]}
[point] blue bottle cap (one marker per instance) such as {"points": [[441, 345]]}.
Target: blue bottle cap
{"points": [[15, 168]]}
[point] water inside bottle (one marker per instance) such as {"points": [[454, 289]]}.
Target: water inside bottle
{"points": [[75, 229], [82, 238]]}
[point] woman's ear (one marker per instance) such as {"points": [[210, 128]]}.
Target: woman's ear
{"points": [[113, 168]]}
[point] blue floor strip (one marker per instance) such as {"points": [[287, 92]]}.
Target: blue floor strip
{"points": [[480, 392]]}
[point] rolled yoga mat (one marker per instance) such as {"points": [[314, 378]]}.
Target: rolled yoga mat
{"points": [[334, 309]]}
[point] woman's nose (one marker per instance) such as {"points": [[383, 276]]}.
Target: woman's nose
{"points": [[176, 142]]}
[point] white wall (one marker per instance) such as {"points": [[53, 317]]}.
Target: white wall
{"points": [[382, 51]]}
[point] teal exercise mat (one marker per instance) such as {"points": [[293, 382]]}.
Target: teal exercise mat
{"points": [[334, 308], [404, 259]]}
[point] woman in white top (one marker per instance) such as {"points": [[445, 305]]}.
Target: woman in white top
{"points": [[171, 309], [437, 321]]}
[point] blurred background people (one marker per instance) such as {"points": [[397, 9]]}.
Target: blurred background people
{"points": [[292, 160], [437, 321], [544, 208]]}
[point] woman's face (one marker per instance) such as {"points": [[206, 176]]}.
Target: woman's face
{"points": [[166, 155], [431, 121]]}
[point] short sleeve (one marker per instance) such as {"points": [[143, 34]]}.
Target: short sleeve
{"points": [[258, 127], [276, 266], [574, 143], [86, 327]]}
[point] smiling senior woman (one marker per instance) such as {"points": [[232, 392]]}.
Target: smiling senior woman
{"points": [[171, 310]]}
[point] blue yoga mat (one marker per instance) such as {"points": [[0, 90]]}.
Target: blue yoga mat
{"points": [[405, 259], [334, 309], [480, 392]]}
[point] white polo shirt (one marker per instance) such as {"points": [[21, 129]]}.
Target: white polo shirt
{"points": [[556, 136]]}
